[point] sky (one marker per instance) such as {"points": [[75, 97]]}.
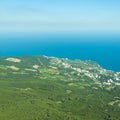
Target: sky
{"points": [[68, 24], [62, 15]]}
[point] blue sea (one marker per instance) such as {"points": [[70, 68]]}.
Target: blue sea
{"points": [[102, 48]]}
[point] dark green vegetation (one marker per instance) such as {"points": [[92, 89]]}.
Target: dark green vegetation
{"points": [[46, 88]]}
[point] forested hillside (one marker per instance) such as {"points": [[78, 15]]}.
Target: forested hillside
{"points": [[49, 88]]}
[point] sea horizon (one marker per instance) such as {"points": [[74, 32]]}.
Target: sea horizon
{"points": [[101, 48]]}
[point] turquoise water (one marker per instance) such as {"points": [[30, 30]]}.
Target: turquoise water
{"points": [[104, 49]]}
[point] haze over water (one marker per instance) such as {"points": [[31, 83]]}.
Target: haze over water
{"points": [[102, 48]]}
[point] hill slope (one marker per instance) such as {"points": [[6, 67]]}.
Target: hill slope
{"points": [[49, 88]]}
